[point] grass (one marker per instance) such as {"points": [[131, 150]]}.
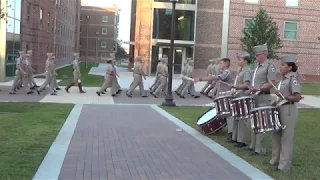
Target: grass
{"points": [[27, 130], [306, 163], [66, 75]]}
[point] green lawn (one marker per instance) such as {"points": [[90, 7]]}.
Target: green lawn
{"points": [[66, 75], [306, 163], [27, 131]]}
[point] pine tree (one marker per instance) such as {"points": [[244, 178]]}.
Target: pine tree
{"points": [[259, 30]]}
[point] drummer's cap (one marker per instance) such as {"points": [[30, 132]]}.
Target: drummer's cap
{"points": [[29, 52], [49, 54], [243, 55], [260, 49], [287, 58]]}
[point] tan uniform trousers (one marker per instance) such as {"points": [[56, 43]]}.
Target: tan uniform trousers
{"points": [[282, 141], [258, 141], [49, 81], [163, 83], [107, 82], [137, 81]]}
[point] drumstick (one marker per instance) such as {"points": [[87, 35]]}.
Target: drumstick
{"points": [[276, 89]]}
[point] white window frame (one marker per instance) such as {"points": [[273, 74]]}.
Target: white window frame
{"points": [[103, 46], [292, 6], [251, 1], [284, 30], [103, 32], [104, 20]]}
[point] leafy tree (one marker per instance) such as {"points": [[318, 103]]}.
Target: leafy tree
{"points": [[260, 30]]}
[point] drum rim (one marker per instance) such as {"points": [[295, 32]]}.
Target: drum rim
{"points": [[204, 114], [264, 107], [243, 97]]}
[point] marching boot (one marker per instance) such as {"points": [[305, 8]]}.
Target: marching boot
{"points": [[80, 88], [68, 87]]}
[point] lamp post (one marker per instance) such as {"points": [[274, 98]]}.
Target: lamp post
{"points": [[97, 40], [87, 17], [169, 97]]}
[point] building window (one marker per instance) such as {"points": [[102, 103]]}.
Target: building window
{"points": [[104, 31], [292, 3], [103, 44], [290, 30], [41, 17], [247, 22], [104, 18], [252, 1], [28, 13]]}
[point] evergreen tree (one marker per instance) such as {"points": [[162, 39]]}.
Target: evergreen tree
{"points": [[260, 30]]}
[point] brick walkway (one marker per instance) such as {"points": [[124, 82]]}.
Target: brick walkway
{"points": [[117, 142]]}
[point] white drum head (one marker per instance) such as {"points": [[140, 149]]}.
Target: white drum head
{"points": [[207, 116]]}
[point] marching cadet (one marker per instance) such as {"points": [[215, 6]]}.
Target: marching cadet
{"points": [[214, 87], [225, 77], [183, 73], [19, 73], [32, 83], [49, 67], [264, 72], [159, 65], [138, 73], [115, 84], [76, 74], [108, 78], [289, 88], [189, 84], [209, 73], [163, 79], [241, 84]]}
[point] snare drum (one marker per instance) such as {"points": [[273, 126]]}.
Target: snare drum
{"points": [[242, 107], [223, 105], [210, 123], [265, 119]]}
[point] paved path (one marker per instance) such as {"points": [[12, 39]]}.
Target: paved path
{"points": [[110, 144]]}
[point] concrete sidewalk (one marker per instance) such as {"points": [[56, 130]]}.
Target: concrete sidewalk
{"points": [[141, 143]]}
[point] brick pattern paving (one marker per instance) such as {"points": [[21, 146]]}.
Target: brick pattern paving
{"points": [[117, 142]]}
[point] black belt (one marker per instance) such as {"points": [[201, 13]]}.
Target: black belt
{"points": [[288, 103]]}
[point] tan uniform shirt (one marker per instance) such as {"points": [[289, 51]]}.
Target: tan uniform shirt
{"points": [[289, 85], [262, 73], [226, 76]]}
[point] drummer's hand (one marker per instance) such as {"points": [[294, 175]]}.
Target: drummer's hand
{"points": [[196, 80]]}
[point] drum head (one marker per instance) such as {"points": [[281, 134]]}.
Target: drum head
{"points": [[207, 116]]}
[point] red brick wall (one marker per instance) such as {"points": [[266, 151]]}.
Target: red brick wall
{"points": [[306, 47], [44, 40]]}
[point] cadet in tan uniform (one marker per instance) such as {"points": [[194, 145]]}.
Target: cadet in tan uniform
{"points": [[138, 73], [225, 77], [156, 81], [263, 72], [49, 67], [209, 73], [76, 74], [19, 73], [242, 83], [183, 73], [163, 78], [282, 141], [108, 78], [32, 83]]}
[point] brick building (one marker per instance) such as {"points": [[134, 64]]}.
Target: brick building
{"points": [[212, 28], [98, 32], [41, 26]]}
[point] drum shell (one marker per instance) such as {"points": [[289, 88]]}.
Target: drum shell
{"points": [[242, 107], [265, 119], [223, 105]]}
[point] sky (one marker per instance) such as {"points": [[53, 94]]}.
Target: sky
{"points": [[124, 13]]}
